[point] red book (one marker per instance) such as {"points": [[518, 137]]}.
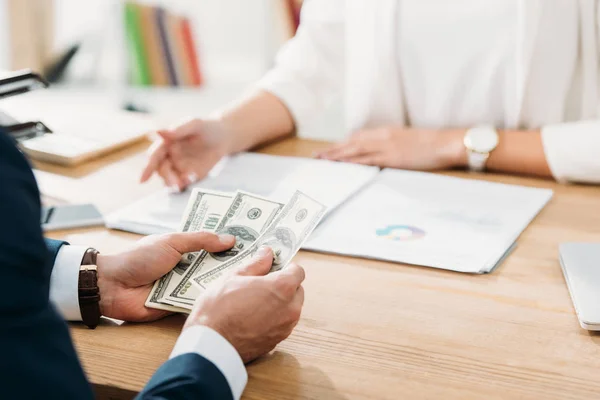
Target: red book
{"points": [[191, 53]]}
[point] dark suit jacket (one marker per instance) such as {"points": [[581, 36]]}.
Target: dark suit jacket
{"points": [[37, 358]]}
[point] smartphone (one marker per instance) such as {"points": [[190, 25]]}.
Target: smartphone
{"points": [[70, 216]]}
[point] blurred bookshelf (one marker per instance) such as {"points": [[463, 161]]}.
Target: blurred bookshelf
{"points": [[235, 42], [147, 42]]}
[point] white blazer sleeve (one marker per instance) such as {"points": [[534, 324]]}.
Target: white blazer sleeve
{"points": [[309, 69], [573, 149]]}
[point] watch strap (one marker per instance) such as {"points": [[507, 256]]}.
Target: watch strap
{"points": [[89, 293], [477, 161]]}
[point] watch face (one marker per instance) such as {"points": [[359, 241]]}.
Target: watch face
{"points": [[481, 139]]}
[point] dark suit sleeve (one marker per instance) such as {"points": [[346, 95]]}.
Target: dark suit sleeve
{"points": [[53, 248], [37, 357], [188, 376]]}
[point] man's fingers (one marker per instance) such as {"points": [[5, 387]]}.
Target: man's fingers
{"points": [[293, 276], [260, 264], [185, 242], [157, 154], [151, 314], [298, 300]]}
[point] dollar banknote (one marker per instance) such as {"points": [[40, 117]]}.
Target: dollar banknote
{"points": [[285, 236], [204, 212], [247, 218]]}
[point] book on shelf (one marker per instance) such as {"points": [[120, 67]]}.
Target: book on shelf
{"points": [[191, 51], [138, 61], [177, 49], [152, 44], [161, 21], [162, 47]]}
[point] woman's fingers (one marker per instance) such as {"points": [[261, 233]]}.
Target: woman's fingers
{"points": [[374, 159], [160, 149], [343, 151], [170, 175], [183, 177], [361, 143], [189, 128], [157, 153], [182, 161]]}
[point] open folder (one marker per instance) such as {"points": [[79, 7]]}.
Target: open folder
{"points": [[401, 216], [431, 220], [275, 177]]}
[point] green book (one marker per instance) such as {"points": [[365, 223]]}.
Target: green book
{"points": [[140, 70]]}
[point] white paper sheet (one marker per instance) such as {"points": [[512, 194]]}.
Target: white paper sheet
{"points": [[431, 220], [273, 176]]}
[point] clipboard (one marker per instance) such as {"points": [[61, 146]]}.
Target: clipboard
{"points": [[70, 134], [15, 83]]}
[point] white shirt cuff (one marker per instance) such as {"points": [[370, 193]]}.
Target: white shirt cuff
{"points": [[64, 281], [209, 344]]}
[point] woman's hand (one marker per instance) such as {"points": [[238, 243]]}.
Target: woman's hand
{"points": [[400, 147], [187, 153]]}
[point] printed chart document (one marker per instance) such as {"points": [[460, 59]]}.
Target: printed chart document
{"points": [[275, 177], [430, 220]]}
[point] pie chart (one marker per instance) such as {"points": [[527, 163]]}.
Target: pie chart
{"points": [[400, 233]]}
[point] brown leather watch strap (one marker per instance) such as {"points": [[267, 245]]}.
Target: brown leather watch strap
{"points": [[89, 293]]}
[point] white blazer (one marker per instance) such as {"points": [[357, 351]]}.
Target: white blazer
{"points": [[347, 46]]}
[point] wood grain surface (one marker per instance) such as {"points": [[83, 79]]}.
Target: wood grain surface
{"points": [[371, 329]]}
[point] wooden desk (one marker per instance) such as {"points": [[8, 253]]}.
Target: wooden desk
{"points": [[377, 330]]}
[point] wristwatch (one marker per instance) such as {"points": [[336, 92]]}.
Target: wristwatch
{"points": [[480, 141], [89, 293]]}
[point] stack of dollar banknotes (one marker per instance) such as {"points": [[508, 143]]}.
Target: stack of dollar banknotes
{"points": [[255, 222]]}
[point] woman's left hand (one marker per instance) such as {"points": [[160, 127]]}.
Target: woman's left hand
{"points": [[400, 147]]}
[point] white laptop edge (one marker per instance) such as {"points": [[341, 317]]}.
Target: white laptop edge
{"points": [[565, 251]]}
